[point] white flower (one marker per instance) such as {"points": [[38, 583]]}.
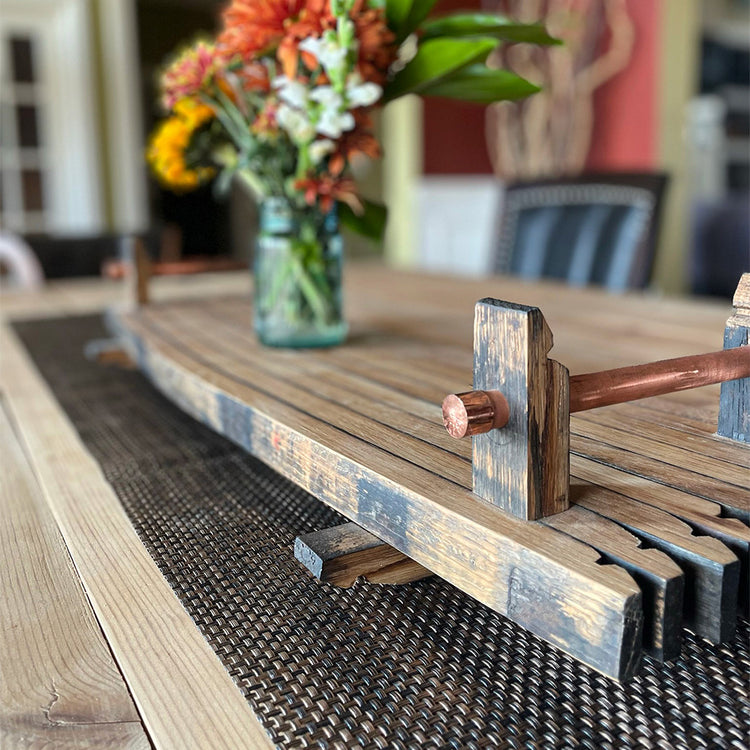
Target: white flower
{"points": [[295, 123], [333, 124], [292, 92], [311, 45], [327, 96], [363, 94], [333, 119], [320, 149], [407, 51], [326, 50]]}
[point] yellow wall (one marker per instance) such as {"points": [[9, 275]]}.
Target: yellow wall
{"points": [[678, 83]]}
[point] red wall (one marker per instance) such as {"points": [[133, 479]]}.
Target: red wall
{"points": [[454, 141], [625, 110], [625, 129]]}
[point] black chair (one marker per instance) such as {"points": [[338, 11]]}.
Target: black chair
{"points": [[68, 256], [721, 245], [593, 229]]}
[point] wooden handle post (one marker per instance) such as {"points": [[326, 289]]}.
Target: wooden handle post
{"points": [[734, 404], [524, 468], [143, 271]]}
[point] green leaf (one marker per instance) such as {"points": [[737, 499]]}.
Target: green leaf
{"points": [[396, 13], [370, 224], [435, 60], [486, 24], [482, 85], [420, 9], [403, 16]]}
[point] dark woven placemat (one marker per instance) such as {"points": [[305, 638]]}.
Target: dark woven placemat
{"points": [[372, 666]]}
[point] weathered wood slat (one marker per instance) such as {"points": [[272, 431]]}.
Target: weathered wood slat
{"points": [[700, 514], [59, 685], [733, 498], [354, 416], [544, 580], [712, 570], [342, 554], [660, 578], [687, 434], [725, 471]]}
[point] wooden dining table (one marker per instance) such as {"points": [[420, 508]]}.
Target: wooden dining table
{"points": [[345, 423]]}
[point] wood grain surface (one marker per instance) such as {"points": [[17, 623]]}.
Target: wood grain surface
{"points": [[661, 579], [183, 693], [59, 685]]}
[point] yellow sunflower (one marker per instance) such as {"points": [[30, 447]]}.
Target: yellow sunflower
{"points": [[169, 142]]}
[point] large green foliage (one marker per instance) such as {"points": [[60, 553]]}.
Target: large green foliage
{"points": [[485, 24], [481, 85], [436, 59], [450, 62]]}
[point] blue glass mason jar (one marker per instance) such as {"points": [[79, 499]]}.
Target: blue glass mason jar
{"points": [[298, 274]]}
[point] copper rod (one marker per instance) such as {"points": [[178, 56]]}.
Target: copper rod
{"points": [[657, 378], [475, 412]]}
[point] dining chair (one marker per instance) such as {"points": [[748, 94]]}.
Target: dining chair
{"points": [[64, 256], [19, 266], [592, 229]]}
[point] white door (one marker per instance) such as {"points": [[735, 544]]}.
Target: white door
{"points": [[50, 178]]}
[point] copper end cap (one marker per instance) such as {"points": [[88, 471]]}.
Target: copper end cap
{"points": [[474, 412]]}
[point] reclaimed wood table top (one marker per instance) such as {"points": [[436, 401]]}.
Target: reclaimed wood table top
{"points": [[96, 650], [65, 540], [360, 427]]}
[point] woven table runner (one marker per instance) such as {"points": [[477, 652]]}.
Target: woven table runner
{"points": [[421, 665]]}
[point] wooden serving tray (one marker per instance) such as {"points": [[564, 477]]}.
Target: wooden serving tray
{"points": [[647, 547]]}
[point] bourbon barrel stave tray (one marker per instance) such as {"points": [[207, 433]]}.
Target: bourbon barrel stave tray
{"points": [[657, 537]]}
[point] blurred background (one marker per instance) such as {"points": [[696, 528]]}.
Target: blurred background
{"points": [[649, 97]]}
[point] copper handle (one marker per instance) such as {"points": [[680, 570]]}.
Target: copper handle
{"points": [[657, 378], [475, 412]]}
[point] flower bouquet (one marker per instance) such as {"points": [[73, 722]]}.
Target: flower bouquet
{"points": [[282, 100]]}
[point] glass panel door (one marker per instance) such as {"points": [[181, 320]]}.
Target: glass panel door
{"points": [[23, 145]]}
